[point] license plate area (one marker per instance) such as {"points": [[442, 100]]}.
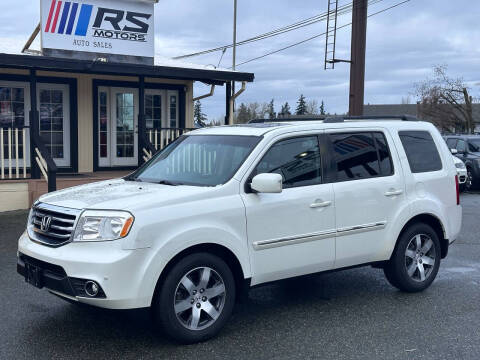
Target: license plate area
{"points": [[34, 275]]}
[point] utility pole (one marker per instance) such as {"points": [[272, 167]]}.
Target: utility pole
{"points": [[357, 65], [234, 55]]}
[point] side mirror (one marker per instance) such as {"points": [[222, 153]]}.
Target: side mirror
{"points": [[454, 151], [267, 183]]}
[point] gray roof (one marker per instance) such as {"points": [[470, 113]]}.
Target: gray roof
{"points": [[405, 109], [390, 109]]}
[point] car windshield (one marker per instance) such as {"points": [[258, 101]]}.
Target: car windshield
{"points": [[474, 145], [198, 160]]}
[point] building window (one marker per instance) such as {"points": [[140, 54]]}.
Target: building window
{"points": [[51, 121], [153, 111], [12, 115], [173, 111], [103, 124]]}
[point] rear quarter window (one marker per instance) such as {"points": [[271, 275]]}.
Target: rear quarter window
{"points": [[422, 153]]}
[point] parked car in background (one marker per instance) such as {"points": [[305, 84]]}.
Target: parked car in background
{"points": [[225, 208], [467, 149], [461, 171]]}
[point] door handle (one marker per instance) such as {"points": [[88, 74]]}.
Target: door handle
{"points": [[394, 192], [318, 204]]}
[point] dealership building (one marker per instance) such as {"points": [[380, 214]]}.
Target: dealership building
{"points": [[93, 102]]}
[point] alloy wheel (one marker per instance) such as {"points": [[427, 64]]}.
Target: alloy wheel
{"points": [[420, 257], [199, 298]]}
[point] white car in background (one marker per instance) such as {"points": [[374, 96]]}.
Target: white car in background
{"points": [[461, 171]]}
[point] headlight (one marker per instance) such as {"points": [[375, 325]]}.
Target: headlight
{"points": [[30, 217], [460, 165], [102, 225]]}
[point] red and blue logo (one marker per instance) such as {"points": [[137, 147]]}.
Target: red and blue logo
{"points": [[64, 24]]}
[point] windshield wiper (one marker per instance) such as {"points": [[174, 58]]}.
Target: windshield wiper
{"points": [[166, 182]]}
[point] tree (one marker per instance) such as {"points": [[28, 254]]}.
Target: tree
{"points": [[446, 102], [198, 115], [242, 115], [271, 110], [285, 110], [301, 106], [312, 107], [322, 109]]}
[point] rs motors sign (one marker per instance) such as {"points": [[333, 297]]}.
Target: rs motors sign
{"points": [[121, 27]]}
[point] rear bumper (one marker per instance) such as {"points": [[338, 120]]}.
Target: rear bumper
{"points": [[454, 220]]}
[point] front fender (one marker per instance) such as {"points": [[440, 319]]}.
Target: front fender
{"points": [[168, 249]]}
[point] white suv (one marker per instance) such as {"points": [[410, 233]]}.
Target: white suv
{"points": [[225, 207]]}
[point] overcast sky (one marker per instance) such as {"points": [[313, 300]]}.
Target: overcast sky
{"points": [[402, 45]]}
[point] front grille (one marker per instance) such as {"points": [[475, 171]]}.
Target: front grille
{"points": [[52, 225]]}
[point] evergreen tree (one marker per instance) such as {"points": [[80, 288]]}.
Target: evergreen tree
{"points": [[198, 115], [243, 115], [285, 110], [322, 109], [301, 106], [271, 110]]}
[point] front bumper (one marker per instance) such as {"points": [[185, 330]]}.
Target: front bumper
{"points": [[118, 272], [55, 279]]}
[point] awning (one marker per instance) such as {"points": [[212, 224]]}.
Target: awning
{"points": [[182, 72]]}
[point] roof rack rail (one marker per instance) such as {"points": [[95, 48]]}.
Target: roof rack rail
{"points": [[339, 119], [288, 119]]}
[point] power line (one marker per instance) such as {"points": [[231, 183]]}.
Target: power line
{"points": [[317, 36], [298, 25]]}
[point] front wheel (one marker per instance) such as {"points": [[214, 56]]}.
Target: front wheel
{"points": [[416, 259], [196, 298]]}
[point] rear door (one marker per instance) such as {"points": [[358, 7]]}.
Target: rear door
{"points": [[291, 233], [369, 193]]}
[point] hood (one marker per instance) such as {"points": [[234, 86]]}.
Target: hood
{"points": [[121, 195]]}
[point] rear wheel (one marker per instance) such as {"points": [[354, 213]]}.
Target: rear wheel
{"points": [[416, 259], [196, 298]]}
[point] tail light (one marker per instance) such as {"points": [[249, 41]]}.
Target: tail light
{"points": [[457, 186]]}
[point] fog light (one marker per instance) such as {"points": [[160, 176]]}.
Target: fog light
{"points": [[91, 288]]}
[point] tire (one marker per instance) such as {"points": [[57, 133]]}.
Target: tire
{"points": [[471, 183], [413, 268], [196, 298]]}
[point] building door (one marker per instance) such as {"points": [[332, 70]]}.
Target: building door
{"points": [[54, 110], [118, 127]]}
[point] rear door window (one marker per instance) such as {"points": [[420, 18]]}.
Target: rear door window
{"points": [[384, 157], [422, 153], [360, 155]]}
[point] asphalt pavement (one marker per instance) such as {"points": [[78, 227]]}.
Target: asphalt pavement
{"points": [[353, 314]]}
